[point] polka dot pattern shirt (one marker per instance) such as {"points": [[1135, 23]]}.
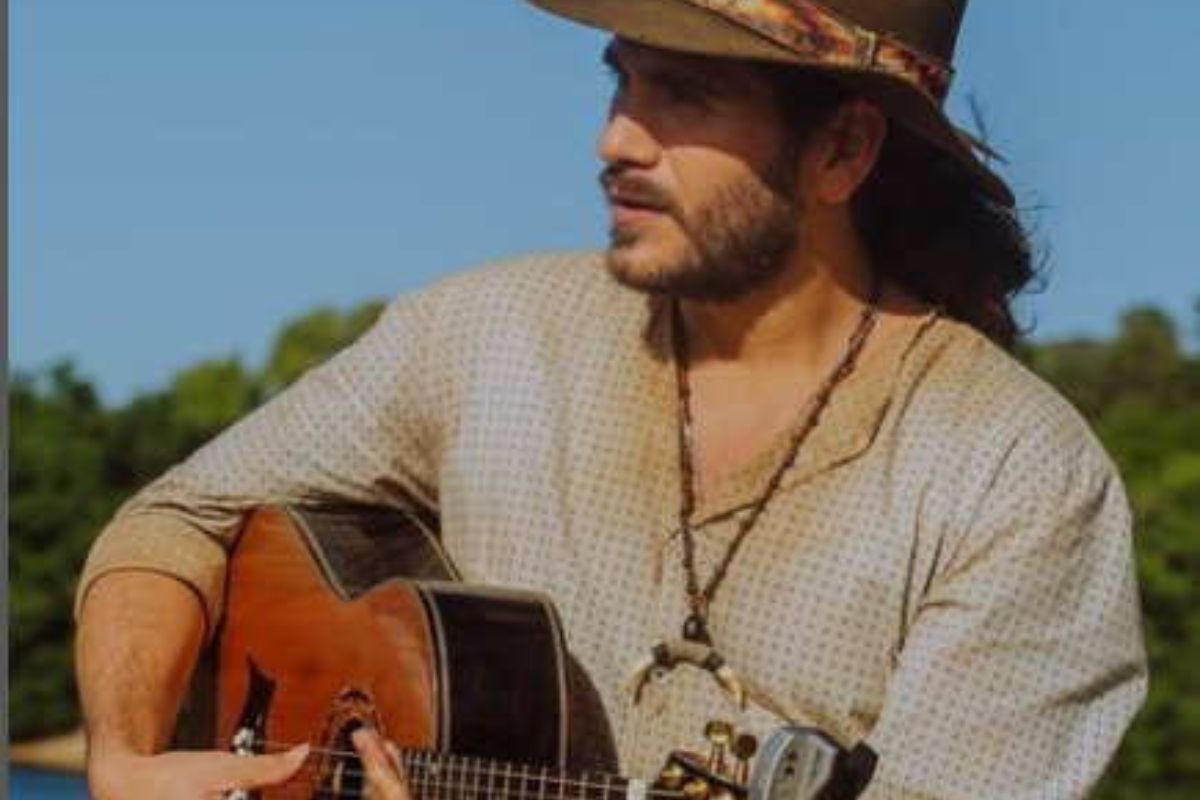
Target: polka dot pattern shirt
{"points": [[945, 571]]}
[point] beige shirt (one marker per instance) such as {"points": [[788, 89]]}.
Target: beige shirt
{"points": [[945, 570]]}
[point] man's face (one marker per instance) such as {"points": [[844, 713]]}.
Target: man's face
{"points": [[701, 176]]}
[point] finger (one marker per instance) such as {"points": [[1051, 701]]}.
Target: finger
{"points": [[385, 781], [394, 757], [251, 772], [382, 782]]}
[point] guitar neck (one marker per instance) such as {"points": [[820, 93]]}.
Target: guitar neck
{"points": [[436, 776]]}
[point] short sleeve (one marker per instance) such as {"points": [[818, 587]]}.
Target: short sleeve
{"points": [[359, 428], [1025, 663]]}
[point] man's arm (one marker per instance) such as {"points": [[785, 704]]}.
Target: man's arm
{"points": [[1025, 663], [138, 641], [358, 428]]}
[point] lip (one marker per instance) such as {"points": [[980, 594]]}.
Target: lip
{"points": [[629, 213], [628, 207]]}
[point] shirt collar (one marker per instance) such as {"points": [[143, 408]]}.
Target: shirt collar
{"points": [[848, 425]]}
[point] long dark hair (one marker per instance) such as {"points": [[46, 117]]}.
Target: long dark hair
{"points": [[926, 223], [931, 228]]}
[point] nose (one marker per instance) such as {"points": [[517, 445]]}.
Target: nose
{"points": [[626, 141]]}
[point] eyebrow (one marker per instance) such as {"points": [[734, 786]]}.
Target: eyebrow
{"points": [[700, 75]]}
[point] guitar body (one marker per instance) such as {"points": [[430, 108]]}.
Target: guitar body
{"points": [[341, 617]]}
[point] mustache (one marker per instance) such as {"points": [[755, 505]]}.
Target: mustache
{"points": [[627, 188]]}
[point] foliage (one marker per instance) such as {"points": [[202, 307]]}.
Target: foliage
{"points": [[57, 500], [72, 461], [1141, 393], [311, 339]]}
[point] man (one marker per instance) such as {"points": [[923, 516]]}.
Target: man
{"points": [[772, 421]]}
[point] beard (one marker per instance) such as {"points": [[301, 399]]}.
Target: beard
{"points": [[739, 240]]}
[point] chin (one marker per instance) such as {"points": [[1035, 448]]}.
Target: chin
{"points": [[644, 262], [681, 277], [637, 269]]}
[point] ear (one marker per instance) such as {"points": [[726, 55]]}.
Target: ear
{"points": [[852, 141]]}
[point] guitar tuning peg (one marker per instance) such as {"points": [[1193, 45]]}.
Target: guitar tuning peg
{"points": [[672, 776], [718, 729], [719, 734], [697, 789], [744, 747]]}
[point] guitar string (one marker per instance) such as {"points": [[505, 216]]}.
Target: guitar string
{"points": [[466, 792], [541, 788], [446, 763], [427, 792], [473, 788], [439, 788], [470, 786]]}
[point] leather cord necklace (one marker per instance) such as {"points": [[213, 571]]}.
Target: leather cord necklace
{"points": [[696, 645], [695, 627]]}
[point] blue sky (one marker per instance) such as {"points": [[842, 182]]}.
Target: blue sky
{"points": [[188, 174]]}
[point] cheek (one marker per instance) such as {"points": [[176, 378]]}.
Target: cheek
{"points": [[702, 177], [717, 182]]}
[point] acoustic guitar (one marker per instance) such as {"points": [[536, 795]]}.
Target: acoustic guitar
{"points": [[349, 616]]}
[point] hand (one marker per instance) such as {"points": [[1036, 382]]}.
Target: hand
{"points": [[195, 775], [381, 762]]}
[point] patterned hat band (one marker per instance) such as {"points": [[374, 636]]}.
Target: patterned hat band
{"points": [[814, 32]]}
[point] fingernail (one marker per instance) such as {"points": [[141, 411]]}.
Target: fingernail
{"points": [[300, 751]]}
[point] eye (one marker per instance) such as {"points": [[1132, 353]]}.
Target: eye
{"points": [[687, 93]]}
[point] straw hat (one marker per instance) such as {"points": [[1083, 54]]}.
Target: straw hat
{"points": [[896, 53]]}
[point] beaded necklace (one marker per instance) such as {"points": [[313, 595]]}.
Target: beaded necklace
{"points": [[695, 627]]}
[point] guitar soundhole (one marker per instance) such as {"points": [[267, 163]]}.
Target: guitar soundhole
{"points": [[340, 773]]}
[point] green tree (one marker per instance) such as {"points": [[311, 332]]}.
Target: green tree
{"points": [[312, 338], [73, 462], [1141, 392], [57, 501], [212, 395]]}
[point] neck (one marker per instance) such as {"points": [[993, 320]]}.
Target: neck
{"points": [[801, 316]]}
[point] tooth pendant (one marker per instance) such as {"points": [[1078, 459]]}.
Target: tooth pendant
{"points": [[667, 655]]}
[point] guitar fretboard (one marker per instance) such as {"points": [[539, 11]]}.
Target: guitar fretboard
{"points": [[439, 776], [435, 776]]}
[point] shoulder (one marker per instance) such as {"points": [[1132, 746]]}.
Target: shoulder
{"points": [[534, 310], [987, 414], [1014, 471], [545, 297], [535, 285], [969, 380]]}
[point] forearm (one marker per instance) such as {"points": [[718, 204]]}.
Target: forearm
{"points": [[139, 636]]}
